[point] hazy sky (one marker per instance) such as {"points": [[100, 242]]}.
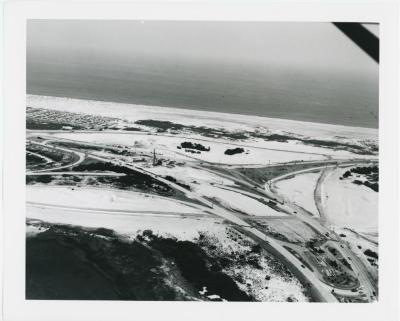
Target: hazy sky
{"points": [[303, 45], [315, 54]]}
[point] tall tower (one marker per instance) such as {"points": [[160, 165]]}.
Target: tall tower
{"points": [[154, 158]]}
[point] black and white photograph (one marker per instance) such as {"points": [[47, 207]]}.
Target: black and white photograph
{"points": [[210, 161], [192, 161], [202, 161]]}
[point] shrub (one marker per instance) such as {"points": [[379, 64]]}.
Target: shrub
{"points": [[196, 146], [371, 253], [234, 151]]}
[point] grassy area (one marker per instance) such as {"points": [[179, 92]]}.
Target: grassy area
{"points": [[67, 263]]}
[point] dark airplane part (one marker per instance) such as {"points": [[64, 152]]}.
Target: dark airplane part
{"points": [[362, 37]]}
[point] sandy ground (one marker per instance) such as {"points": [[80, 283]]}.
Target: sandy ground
{"points": [[349, 205], [132, 112], [167, 146], [300, 190], [99, 198]]}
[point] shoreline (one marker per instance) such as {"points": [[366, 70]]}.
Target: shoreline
{"points": [[134, 112]]}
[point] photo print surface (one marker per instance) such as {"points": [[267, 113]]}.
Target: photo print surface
{"points": [[202, 161]]}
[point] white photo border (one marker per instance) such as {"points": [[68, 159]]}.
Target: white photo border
{"points": [[16, 307]]}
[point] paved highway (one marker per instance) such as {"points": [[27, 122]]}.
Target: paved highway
{"points": [[320, 290]]}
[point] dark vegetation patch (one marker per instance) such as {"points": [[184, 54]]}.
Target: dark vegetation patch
{"points": [[371, 253], [370, 172], [234, 151], [196, 146]]}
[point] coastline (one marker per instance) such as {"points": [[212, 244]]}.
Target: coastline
{"points": [[133, 112]]}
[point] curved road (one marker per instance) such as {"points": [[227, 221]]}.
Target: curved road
{"points": [[81, 157], [320, 290]]}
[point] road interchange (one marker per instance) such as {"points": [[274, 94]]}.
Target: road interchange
{"points": [[321, 290]]}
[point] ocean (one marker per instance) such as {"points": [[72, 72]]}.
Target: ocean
{"points": [[277, 92]]}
